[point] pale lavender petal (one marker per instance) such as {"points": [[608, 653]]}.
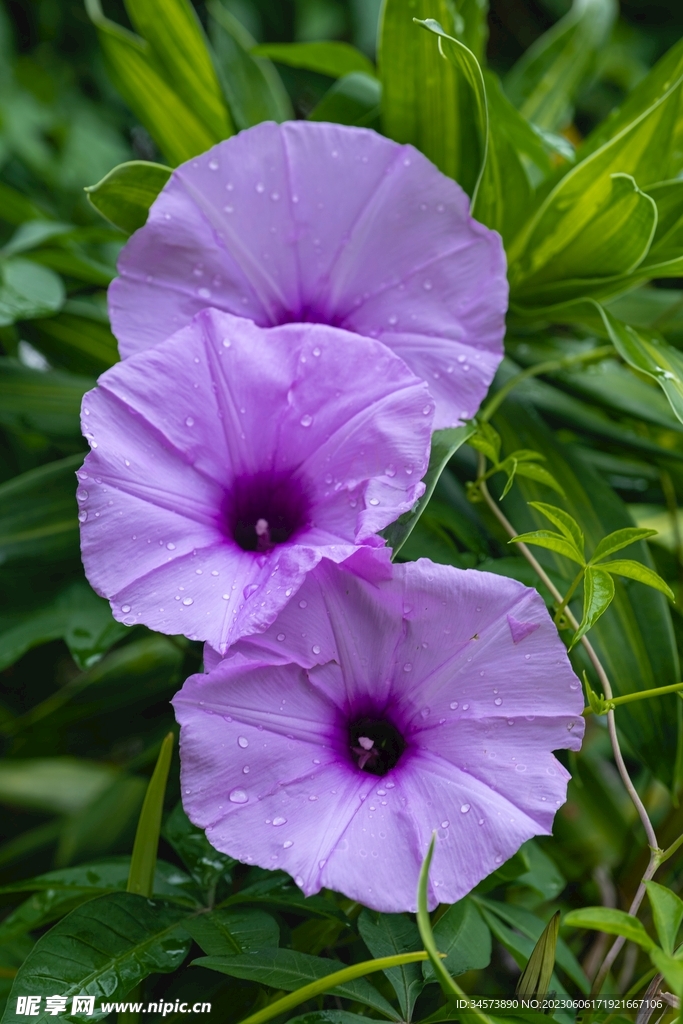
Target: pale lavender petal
{"points": [[364, 754], [240, 424], [330, 224]]}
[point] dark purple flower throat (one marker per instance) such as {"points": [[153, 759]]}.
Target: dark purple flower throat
{"points": [[264, 510], [376, 745]]}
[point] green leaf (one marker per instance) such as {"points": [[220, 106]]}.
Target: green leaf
{"points": [[614, 922], [205, 864], [354, 99], [144, 856], [551, 541], [564, 522], [178, 131], [546, 79], [670, 967], [45, 401], [539, 473], [534, 980], [664, 258], [619, 539], [463, 936], [176, 38], [38, 517], [279, 891], [77, 339], [598, 594], [543, 875], [56, 784], [251, 84], [125, 195], [327, 57], [636, 571], [76, 615], [592, 233], [103, 948], [520, 946], [28, 291], [445, 444], [15, 207], [425, 100], [389, 935], [289, 970], [486, 440], [645, 350], [634, 638], [667, 911], [229, 932]]}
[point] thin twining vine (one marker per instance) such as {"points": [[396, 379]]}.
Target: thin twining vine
{"points": [[657, 856]]}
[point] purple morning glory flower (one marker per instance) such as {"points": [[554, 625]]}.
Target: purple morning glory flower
{"points": [[373, 712], [305, 222], [228, 460]]}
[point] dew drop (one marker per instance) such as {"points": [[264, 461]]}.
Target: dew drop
{"points": [[187, 601], [213, 165], [465, 707], [464, 809], [260, 187], [170, 546], [306, 420], [445, 824], [281, 637], [238, 796], [316, 648], [498, 701], [250, 589], [374, 501], [407, 667], [82, 516], [204, 293], [279, 821], [125, 608], [453, 705], [287, 843], [242, 742], [245, 770], [81, 494], [189, 422], [226, 343], [427, 285], [303, 604]]}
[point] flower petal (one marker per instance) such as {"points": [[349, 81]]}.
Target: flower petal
{"points": [[330, 224]]}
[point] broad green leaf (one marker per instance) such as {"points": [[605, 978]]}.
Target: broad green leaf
{"points": [[28, 291], [552, 541], [634, 638], [354, 99], [546, 79], [77, 339], [76, 614], [664, 258], [535, 978], [656, 87], [618, 540], [144, 857], [178, 131], [57, 784], [251, 84], [388, 935], [564, 522], [513, 867], [531, 927], [598, 594], [279, 891], [614, 922], [647, 351], [125, 195], [231, 932], [34, 233], [74, 262], [15, 207], [667, 911], [463, 936], [637, 571], [205, 864], [59, 892], [445, 444], [175, 35], [328, 57], [425, 99], [38, 512], [103, 948], [594, 228], [45, 401], [543, 875], [288, 970]]}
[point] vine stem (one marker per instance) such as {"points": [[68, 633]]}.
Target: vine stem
{"points": [[655, 852]]}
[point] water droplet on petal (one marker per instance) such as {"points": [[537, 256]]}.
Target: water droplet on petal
{"points": [[374, 501], [281, 637], [453, 705], [82, 516], [213, 165], [170, 546], [316, 648], [498, 701], [187, 601], [287, 843], [81, 494], [242, 741], [279, 821], [464, 809], [238, 796], [125, 608], [445, 824], [189, 422], [306, 420], [250, 589]]}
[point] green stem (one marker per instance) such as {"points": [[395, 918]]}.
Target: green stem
{"points": [[628, 698], [322, 985], [568, 596], [550, 366], [670, 850]]}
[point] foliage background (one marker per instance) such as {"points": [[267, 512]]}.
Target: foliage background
{"points": [[84, 701]]}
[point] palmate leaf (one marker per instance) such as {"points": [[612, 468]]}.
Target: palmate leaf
{"points": [[598, 594], [618, 540], [103, 948], [552, 541], [634, 638], [539, 473]]}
